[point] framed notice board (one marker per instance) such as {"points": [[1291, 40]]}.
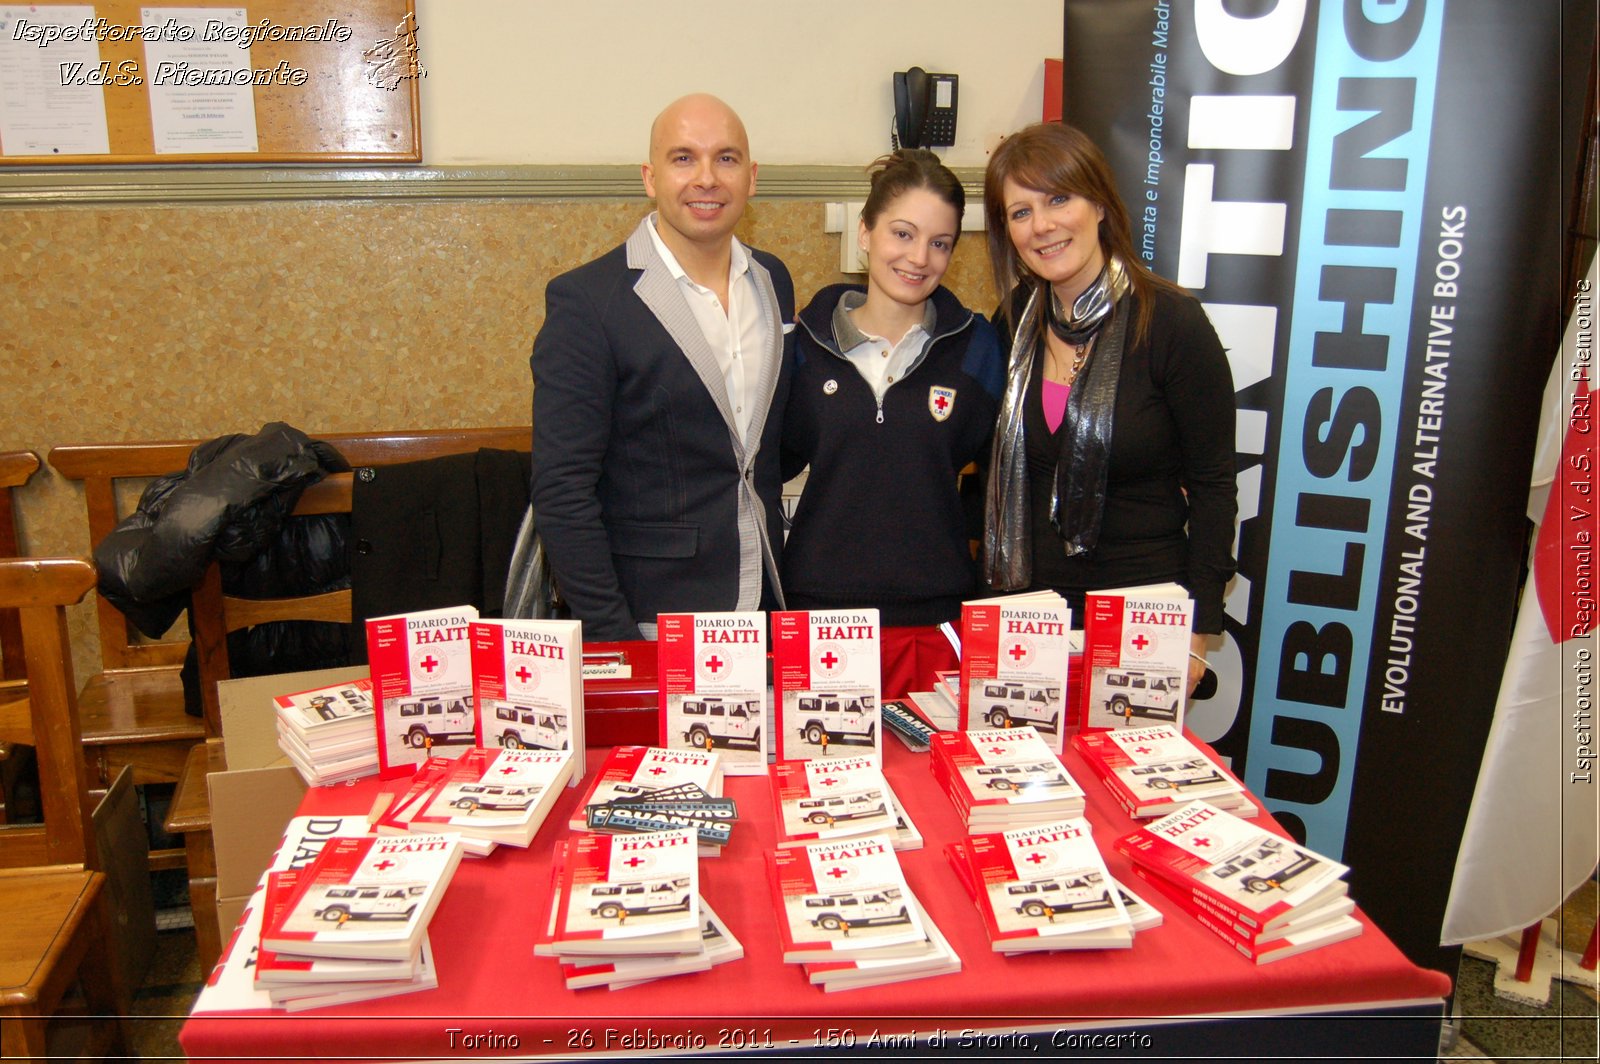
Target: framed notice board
{"points": [[264, 81]]}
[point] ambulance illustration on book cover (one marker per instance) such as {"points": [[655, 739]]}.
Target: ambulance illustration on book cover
{"points": [[713, 670], [527, 679], [421, 667], [826, 683]]}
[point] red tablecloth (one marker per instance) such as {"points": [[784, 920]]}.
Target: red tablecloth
{"points": [[492, 986]]}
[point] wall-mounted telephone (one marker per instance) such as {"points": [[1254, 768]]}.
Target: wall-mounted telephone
{"points": [[924, 109]]}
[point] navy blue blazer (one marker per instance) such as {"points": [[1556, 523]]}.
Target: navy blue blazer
{"points": [[647, 499]]}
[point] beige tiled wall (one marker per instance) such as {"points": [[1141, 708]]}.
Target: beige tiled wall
{"points": [[141, 323]]}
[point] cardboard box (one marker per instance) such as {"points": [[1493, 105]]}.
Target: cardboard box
{"points": [[253, 801]]}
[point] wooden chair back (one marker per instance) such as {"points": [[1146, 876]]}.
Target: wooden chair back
{"points": [[15, 469], [112, 474], [46, 715], [216, 614]]}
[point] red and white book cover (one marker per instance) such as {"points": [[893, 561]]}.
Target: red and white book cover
{"points": [[826, 683], [713, 674], [499, 795], [421, 667], [630, 772], [281, 969], [1015, 656], [527, 680], [1002, 772], [616, 889], [1333, 916], [328, 714], [1152, 770], [1045, 882], [367, 896], [1250, 874], [1136, 655], [833, 797], [842, 898]]}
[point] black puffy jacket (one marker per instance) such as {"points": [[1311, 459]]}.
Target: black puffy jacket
{"points": [[233, 503]]}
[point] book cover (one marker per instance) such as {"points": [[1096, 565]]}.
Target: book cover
{"points": [[831, 798], [1154, 769], [826, 683], [1047, 881], [528, 685], [277, 969], [366, 896], [637, 771], [842, 898], [713, 674], [1003, 770], [1014, 664], [331, 712], [499, 795], [1136, 655], [1251, 875], [616, 889], [421, 668]]}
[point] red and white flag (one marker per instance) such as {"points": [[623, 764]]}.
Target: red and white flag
{"points": [[1530, 838]]}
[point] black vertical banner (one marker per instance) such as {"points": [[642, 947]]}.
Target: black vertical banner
{"points": [[1367, 197]]}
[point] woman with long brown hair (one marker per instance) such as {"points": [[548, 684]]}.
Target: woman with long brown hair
{"points": [[1113, 461]]}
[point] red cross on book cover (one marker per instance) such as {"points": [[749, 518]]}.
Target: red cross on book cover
{"points": [[527, 682], [1136, 656]]}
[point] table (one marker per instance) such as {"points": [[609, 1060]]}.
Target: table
{"points": [[496, 999]]}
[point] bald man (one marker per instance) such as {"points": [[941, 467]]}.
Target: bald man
{"points": [[659, 379]]}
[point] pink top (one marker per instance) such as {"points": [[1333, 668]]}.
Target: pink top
{"points": [[1055, 403]]}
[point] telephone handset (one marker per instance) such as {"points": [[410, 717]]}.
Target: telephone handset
{"points": [[924, 109]]}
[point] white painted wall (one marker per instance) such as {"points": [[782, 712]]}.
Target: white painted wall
{"points": [[578, 81]]}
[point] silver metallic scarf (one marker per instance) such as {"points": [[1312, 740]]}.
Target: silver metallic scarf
{"points": [[1077, 501]]}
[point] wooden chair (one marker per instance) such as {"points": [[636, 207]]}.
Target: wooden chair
{"points": [[16, 467], [58, 931]]}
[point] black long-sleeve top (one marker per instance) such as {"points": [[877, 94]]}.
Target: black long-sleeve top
{"points": [[1172, 432]]}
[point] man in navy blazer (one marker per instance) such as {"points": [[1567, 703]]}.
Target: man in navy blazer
{"points": [[660, 378]]}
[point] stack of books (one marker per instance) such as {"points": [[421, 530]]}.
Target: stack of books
{"points": [[352, 925], [837, 798], [1000, 778], [1152, 771], [847, 916], [1267, 896], [652, 788], [1044, 888], [329, 732], [485, 796], [627, 908]]}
